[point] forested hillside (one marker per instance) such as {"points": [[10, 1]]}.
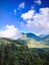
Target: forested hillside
{"points": [[13, 52]]}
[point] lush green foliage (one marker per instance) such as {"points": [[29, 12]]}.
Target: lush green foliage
{"points": [[18, 53]]}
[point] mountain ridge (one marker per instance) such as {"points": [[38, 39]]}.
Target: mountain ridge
{"points": [[34, 41], [34, 36]]}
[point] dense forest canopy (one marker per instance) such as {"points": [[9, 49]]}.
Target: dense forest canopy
{"points": [[17, 53]]}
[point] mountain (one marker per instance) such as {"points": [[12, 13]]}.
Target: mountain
{"points": [[34, 41], [29, 39], [44, 37], [14, 52], [33, 36], [38, 38]]}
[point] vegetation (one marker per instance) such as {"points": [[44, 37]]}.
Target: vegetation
{"points": [[17, 53]]}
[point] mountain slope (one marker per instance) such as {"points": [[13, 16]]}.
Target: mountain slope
{"points": [[34, 41], [13, 52]]}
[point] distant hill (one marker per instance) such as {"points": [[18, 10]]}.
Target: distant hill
{"points": [[33, 36], [34, 41], [29, 39]]}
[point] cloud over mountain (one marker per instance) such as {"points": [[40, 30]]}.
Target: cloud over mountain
{"points": [[10, 32], [37, 22]]}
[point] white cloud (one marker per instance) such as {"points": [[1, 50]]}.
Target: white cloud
{"points": [[38, 22], [38, 2], [10, 32], [21, 6], [28, 15]]}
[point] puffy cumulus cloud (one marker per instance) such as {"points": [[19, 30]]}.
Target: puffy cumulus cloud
{"points": [[39, 23], [38, 2], [10, 32], [21, 6], [28, 15]]}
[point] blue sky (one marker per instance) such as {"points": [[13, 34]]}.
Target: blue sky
{"points": [[25, 15]]}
